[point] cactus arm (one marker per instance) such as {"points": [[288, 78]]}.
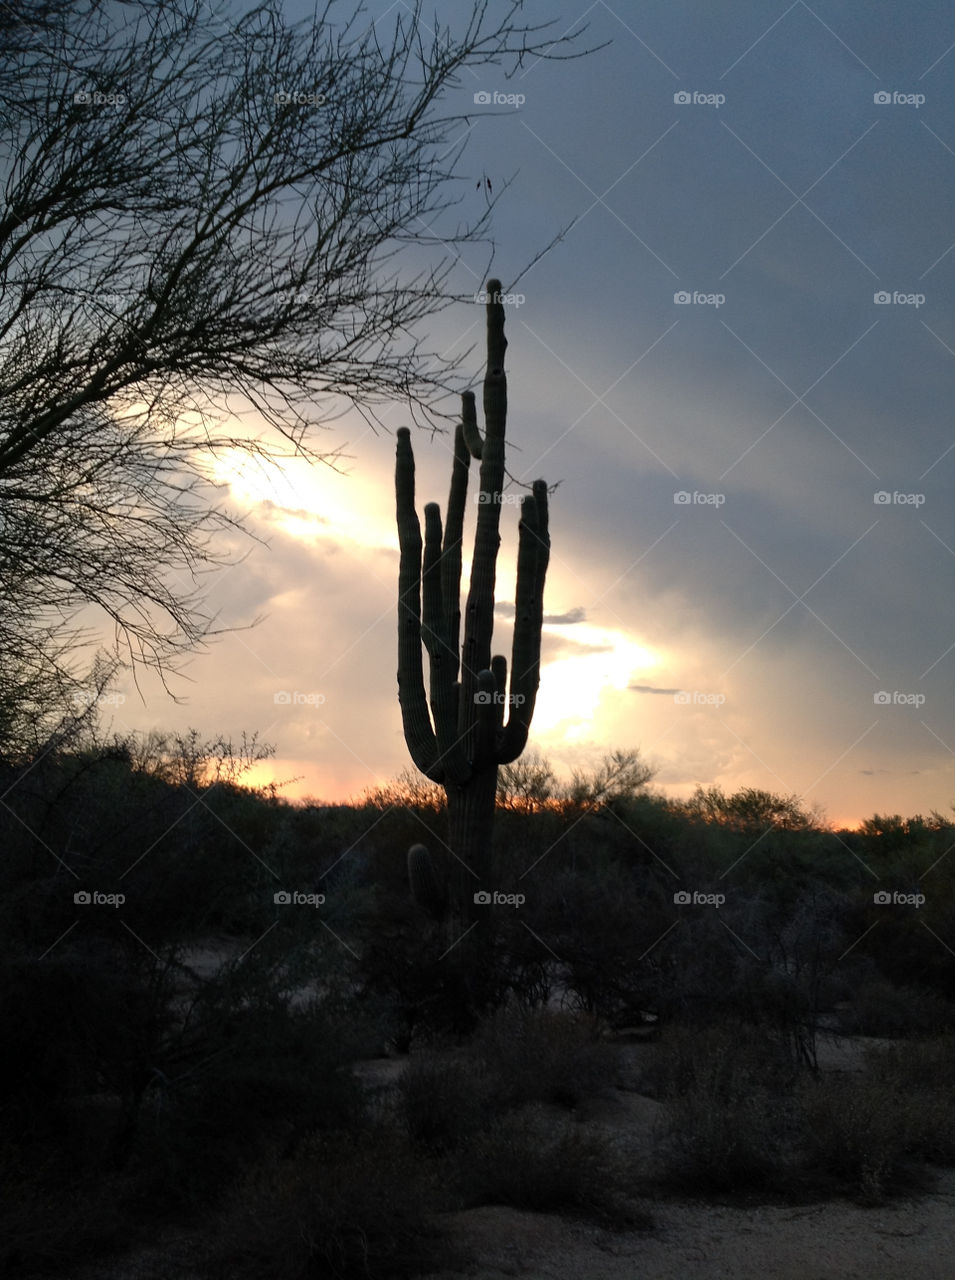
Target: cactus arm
{"points": [[533, 555], [469, 426], [442, 660], [479, 612], [499, 668], [453, 536], [416, 722], [432, 612], [495, 380]]}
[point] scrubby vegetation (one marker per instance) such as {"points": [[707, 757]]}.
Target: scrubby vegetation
{"points": [[191, 969]]}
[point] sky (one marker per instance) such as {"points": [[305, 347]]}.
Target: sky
{"points": [[739, 364]]}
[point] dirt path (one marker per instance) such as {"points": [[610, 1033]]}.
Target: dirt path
{"points": [[694, 1241]]}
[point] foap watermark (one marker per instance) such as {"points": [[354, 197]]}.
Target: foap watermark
{"points": [[299, 99], [683, 298], [483, 898], [92, 98], [683, 498], [898, 699], [885, 98], [82, 699], [695, 698], [896, 298], [505, 299], [505, 499], [94, 898], [494, 98], [895, 899], [683, 898], [484, 699], [285, 699], [295, 898], [895, 499], [693, 98]]}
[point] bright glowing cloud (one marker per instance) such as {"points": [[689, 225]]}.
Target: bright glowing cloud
{"points": [[311, 501], [573, 688]]}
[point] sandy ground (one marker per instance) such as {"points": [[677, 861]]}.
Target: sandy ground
{"points": [[910, 1239]]}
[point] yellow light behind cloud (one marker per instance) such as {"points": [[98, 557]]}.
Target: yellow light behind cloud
{"points": [[313, 500], [572, 688]]}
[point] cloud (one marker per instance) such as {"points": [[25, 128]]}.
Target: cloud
{"points": [[566, 619], [505, 610], [554, 647], [649, 688]]}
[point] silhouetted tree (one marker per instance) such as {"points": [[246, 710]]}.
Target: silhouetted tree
{"points": [[209, 216]]}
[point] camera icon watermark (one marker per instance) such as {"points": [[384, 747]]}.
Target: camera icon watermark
{"points": [[895, 899], [884, 98], [885, 499], [898, 699], [684, 499], [683, 898], [503, 499], [483, 898], [504, 299], [896, 298], [92, 98], [487, 98], [688, 98], [696, 698], [85, 898], [82, 698], [299, 99], [684, 298], [484, 699], [294, 898]]}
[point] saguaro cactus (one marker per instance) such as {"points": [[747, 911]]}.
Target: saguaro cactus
{"points": [[466, 735]]}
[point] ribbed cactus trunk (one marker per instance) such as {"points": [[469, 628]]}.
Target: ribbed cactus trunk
{"points": [[458, 734], [470, 838]]}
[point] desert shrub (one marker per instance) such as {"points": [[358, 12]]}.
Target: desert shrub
{"points": [[533, 1159], [543, 1056], [345, 1205], [50, 1218], [723, 1134], [401, 964], [725, 1140], [725, 1059], [90, 1019], [516, 1057], [269, 1077], [443, 1100], [922, 1072], [921, 1063], [880, 1007], [603, 921], [862, 1130], [729, 1127]]}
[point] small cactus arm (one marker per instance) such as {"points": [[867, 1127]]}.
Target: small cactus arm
{"points": [[428, 889]]}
